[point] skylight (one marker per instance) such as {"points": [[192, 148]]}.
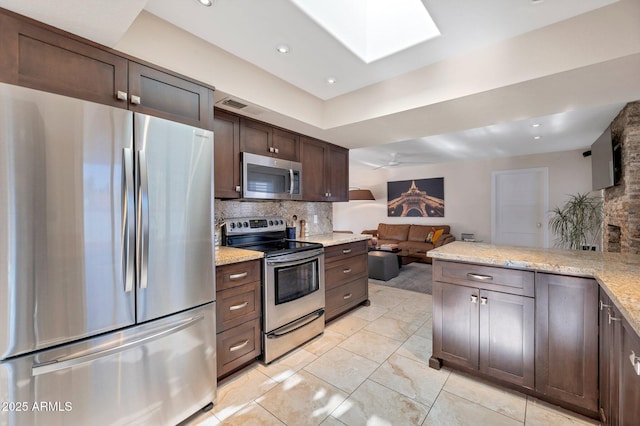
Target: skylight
{"points": [[372, 29]]}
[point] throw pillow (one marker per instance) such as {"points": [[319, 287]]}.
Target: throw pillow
{"points": [[437, 235], [429, 237]]}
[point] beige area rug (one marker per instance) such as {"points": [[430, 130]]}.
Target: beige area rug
{"points": [[414, 276]]}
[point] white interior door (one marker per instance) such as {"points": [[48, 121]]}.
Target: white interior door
{"points": [[520, 200]]}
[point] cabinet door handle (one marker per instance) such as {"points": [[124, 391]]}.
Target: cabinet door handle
{"points": [[238, 276], [483, 301], [121, 96], [239, 346], [240, 306], [277, 151], [635, 361], [602, 306], [238, 188], [346, 271], [270, 149], [346, 251], [474, 298], [612, 318], [347, 296], [135, 100], [479, 276]]}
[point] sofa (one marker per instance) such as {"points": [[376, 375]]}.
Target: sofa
{"points": [[411, 237]]}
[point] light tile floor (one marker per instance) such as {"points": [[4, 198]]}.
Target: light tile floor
{"points": [[371, 368]]}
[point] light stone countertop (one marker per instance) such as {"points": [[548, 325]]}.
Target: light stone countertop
{"points": [[226, 255], [335, 238], [617, 273]]}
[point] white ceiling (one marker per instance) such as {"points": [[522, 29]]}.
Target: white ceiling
{"points": [[473, 92]]}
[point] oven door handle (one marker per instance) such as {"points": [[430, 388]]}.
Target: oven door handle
{"points": [[311, 254], [296, 325]]}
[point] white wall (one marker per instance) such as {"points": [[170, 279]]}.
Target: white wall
{"points": [[467, 190]]}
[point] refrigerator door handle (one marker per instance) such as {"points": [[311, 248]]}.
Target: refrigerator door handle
{"points": [[72, 360], [142, 243], [128, 213]]}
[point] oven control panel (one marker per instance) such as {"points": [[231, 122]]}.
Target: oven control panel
{"points": [[250, 225]]}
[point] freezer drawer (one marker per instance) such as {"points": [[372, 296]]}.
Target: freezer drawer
{"points": [[158, 373]]}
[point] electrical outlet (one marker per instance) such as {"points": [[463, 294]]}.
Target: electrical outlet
{"points": [[315, 219]]}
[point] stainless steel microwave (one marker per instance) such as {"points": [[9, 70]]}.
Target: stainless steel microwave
{"points": [[270, 178]]}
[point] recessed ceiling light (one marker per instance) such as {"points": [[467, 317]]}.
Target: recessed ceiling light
{"points": [[537, 1], [331, 80], [536, 125], [283, 48], [537, 137], [205, 2]]}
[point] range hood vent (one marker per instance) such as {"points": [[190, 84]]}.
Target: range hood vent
{"points": [[240, 105]]}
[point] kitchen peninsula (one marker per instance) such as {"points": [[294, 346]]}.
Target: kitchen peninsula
{"points": [[561, 325]]}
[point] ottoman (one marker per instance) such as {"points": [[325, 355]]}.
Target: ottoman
{"points": [[382, 266]]}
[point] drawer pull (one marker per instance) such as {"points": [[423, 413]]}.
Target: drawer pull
{"points": [[239, 346], [635, 362], [240, 306], [474, 298], [479, 276], [346, 251], [238, 276], [346, 271], [483, 301], [347, 296]]}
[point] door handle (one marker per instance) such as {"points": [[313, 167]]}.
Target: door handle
{"points": [[121, 96], [635, 362], [135, 100], [291, 181], [142, 246], [474, 298], [128, 214], [483, 301], [77, 359]]}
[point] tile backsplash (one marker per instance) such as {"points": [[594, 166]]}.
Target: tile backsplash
{"points": [[225, 209]]}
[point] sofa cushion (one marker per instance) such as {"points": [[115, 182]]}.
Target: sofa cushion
{"points": [[420, 232], [393, 232], [415, 246]]}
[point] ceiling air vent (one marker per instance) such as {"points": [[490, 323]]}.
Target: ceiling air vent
{"points": [[233, 104], [240, 105]]}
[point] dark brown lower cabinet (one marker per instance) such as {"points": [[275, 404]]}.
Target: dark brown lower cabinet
{"points": [[619, 367], [484, 330], [629, 385], [567, 339]]}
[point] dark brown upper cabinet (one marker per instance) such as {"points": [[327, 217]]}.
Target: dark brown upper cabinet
{"points": [[325, 171], [41, 57], [168, 96], [226, 135], [36, 57], [263, 139]]}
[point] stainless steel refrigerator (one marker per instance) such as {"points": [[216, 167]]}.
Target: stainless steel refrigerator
{"points": [[107, 292]]}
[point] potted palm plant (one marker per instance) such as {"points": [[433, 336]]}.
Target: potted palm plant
{"points": [[578, 223]]}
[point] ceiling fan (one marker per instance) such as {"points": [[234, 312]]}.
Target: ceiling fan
{"points": [[395, 162]]}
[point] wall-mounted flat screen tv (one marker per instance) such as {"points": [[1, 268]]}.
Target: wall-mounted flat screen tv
{"points": [[605, 162]]}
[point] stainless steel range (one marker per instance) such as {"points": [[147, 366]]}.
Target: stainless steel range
{"points": [[293, 284]]}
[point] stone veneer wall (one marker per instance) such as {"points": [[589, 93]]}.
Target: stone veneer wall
{"points": [[225, 209], [622, 202]]}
